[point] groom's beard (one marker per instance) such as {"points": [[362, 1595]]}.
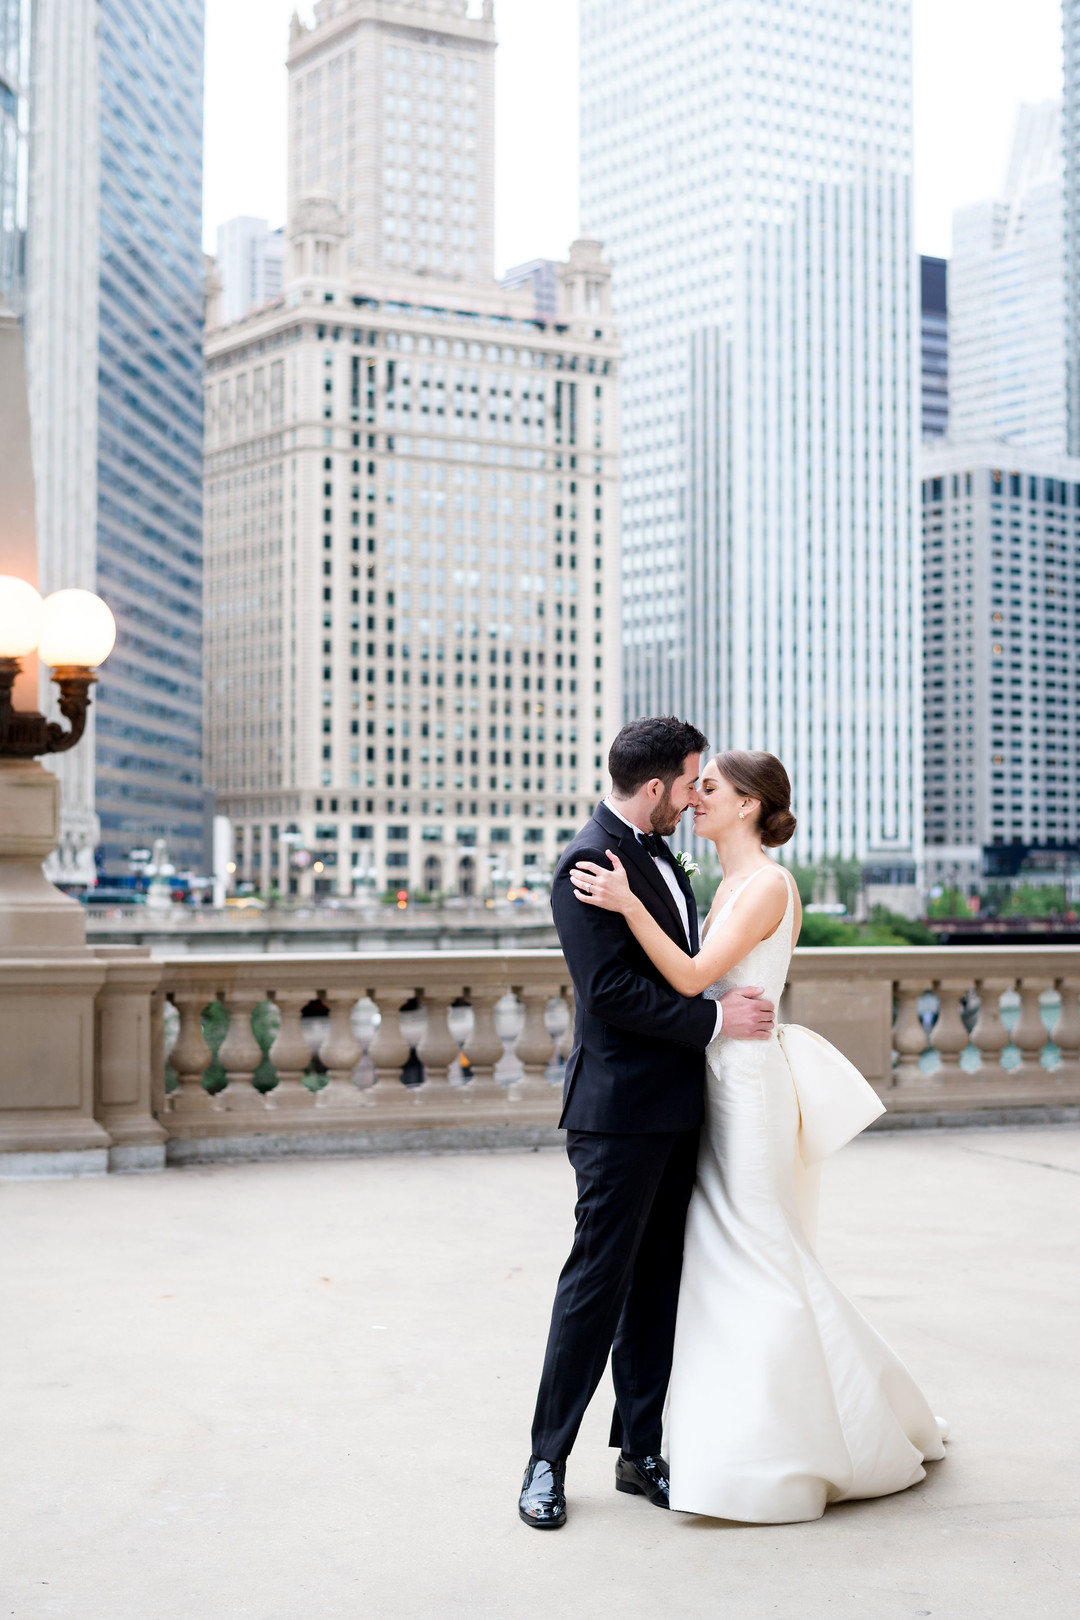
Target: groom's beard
{"points": [[665, 818]]}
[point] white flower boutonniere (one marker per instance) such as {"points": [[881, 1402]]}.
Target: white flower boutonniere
{"points": [[689, 866]]}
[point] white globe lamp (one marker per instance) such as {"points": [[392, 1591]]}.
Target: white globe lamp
{"points": [[77, 630], [20, 617]]}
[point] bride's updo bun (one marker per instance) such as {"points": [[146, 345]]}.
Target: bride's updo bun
{"points": [[761, 776]]}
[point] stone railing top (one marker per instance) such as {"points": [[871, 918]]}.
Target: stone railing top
{"points": [[814, 962]]}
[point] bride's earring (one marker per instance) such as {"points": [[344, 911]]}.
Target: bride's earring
{"points": [[742, 815]]}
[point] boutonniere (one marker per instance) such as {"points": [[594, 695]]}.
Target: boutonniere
{"points": [[688, 865]]}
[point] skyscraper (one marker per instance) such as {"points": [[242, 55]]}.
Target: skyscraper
{"points": [[250, 264], [749, 171], [114, 356], [1001, 621], [411, 498], [14, 125], [1007, 360], [62, 298], [934, 282], [1070, 124], [403, 143], [149, 469]]}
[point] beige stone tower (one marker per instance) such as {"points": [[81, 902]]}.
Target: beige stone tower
{"points": [[391, 114]]}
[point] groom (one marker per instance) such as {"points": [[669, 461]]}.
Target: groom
{"points": [[632, 1105]]}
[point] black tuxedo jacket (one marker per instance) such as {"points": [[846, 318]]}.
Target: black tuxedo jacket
{"points": [[638, 1061]]}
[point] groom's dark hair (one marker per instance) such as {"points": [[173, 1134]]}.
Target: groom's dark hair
{"points": [[656, 746]]}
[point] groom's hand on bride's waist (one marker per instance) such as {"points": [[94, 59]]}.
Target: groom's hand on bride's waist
{"points": [[748, 1016]]}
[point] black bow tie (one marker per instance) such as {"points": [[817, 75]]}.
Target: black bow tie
{"points": [[654, 844]]}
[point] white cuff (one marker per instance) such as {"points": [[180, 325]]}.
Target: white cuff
{"points": [[719, 1019]]}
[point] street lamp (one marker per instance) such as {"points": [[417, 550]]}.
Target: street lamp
{"points": [[74, 632]]}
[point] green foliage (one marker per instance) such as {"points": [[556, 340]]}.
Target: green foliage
{"points": [[1035, 900], [819, 930], [265, 1023], [885, 929], [706, 879], [215, 1027], [805, 878], [949, 904], [813, 882], [902, 929], [848, 875]]}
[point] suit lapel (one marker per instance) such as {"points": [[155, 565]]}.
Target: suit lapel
{"points": [[691, 903], [641, 862]]}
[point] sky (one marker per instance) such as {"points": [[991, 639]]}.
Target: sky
{"points": [[975, 60]]}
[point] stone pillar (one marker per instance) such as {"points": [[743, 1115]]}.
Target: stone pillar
{"points": [[436, 1051], [290, 1055], [47, 1124], [129, 1037], [340, 1052], [909, 1036], [534, 1045], [484, 1047], [33, 913]]}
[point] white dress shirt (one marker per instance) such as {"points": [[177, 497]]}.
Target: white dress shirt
{"points": [[667, 872]]}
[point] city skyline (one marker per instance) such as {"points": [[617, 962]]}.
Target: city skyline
{"points": [[961, 126]]}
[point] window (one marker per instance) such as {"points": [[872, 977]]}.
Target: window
{"points": [[397, 834], [398, 858]]}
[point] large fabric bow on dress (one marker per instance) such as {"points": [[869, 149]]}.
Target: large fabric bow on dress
{"points": [[835, 1102]]}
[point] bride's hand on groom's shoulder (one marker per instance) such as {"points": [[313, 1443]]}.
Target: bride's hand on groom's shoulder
{"points": [[610, 890]]}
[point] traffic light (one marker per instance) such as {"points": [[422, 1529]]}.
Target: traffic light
{"points": [[402, 899]]}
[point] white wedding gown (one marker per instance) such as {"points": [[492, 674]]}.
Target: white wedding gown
{"points": [[783, 1398]]}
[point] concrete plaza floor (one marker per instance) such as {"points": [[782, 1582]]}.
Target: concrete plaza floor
{"points": [[301, 1391]]}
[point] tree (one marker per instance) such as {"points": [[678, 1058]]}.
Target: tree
{"points": [[1035, 900], [949, 904]]}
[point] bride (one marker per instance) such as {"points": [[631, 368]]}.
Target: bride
{"points": [[783, 1398]]}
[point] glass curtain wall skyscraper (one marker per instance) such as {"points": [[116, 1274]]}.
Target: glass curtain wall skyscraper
{"points": [[934, 277], [1007, 365], [748, 168], [14, 124], [1070, 15], [149, 515]]}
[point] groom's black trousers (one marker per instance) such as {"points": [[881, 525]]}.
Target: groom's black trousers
{"points": [[619, 1289]]}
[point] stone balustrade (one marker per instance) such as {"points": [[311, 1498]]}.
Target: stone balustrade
{"points": [[986, 1030], [431, 1049], [352, 1053]]}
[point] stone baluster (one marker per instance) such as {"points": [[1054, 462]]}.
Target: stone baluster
{"points": [[340, 1052], [1067, 1032], [290, 1055], [990, 1035], [909, 1036], [436, 1051], [241, 1054], [950, 1036], [389, 1049], [483, 1047], [534, 1045], [1030, 1032], [190, 1056]]}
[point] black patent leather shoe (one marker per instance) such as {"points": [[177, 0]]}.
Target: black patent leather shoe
{"points": [[643, 1476], [542, 1502]]}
